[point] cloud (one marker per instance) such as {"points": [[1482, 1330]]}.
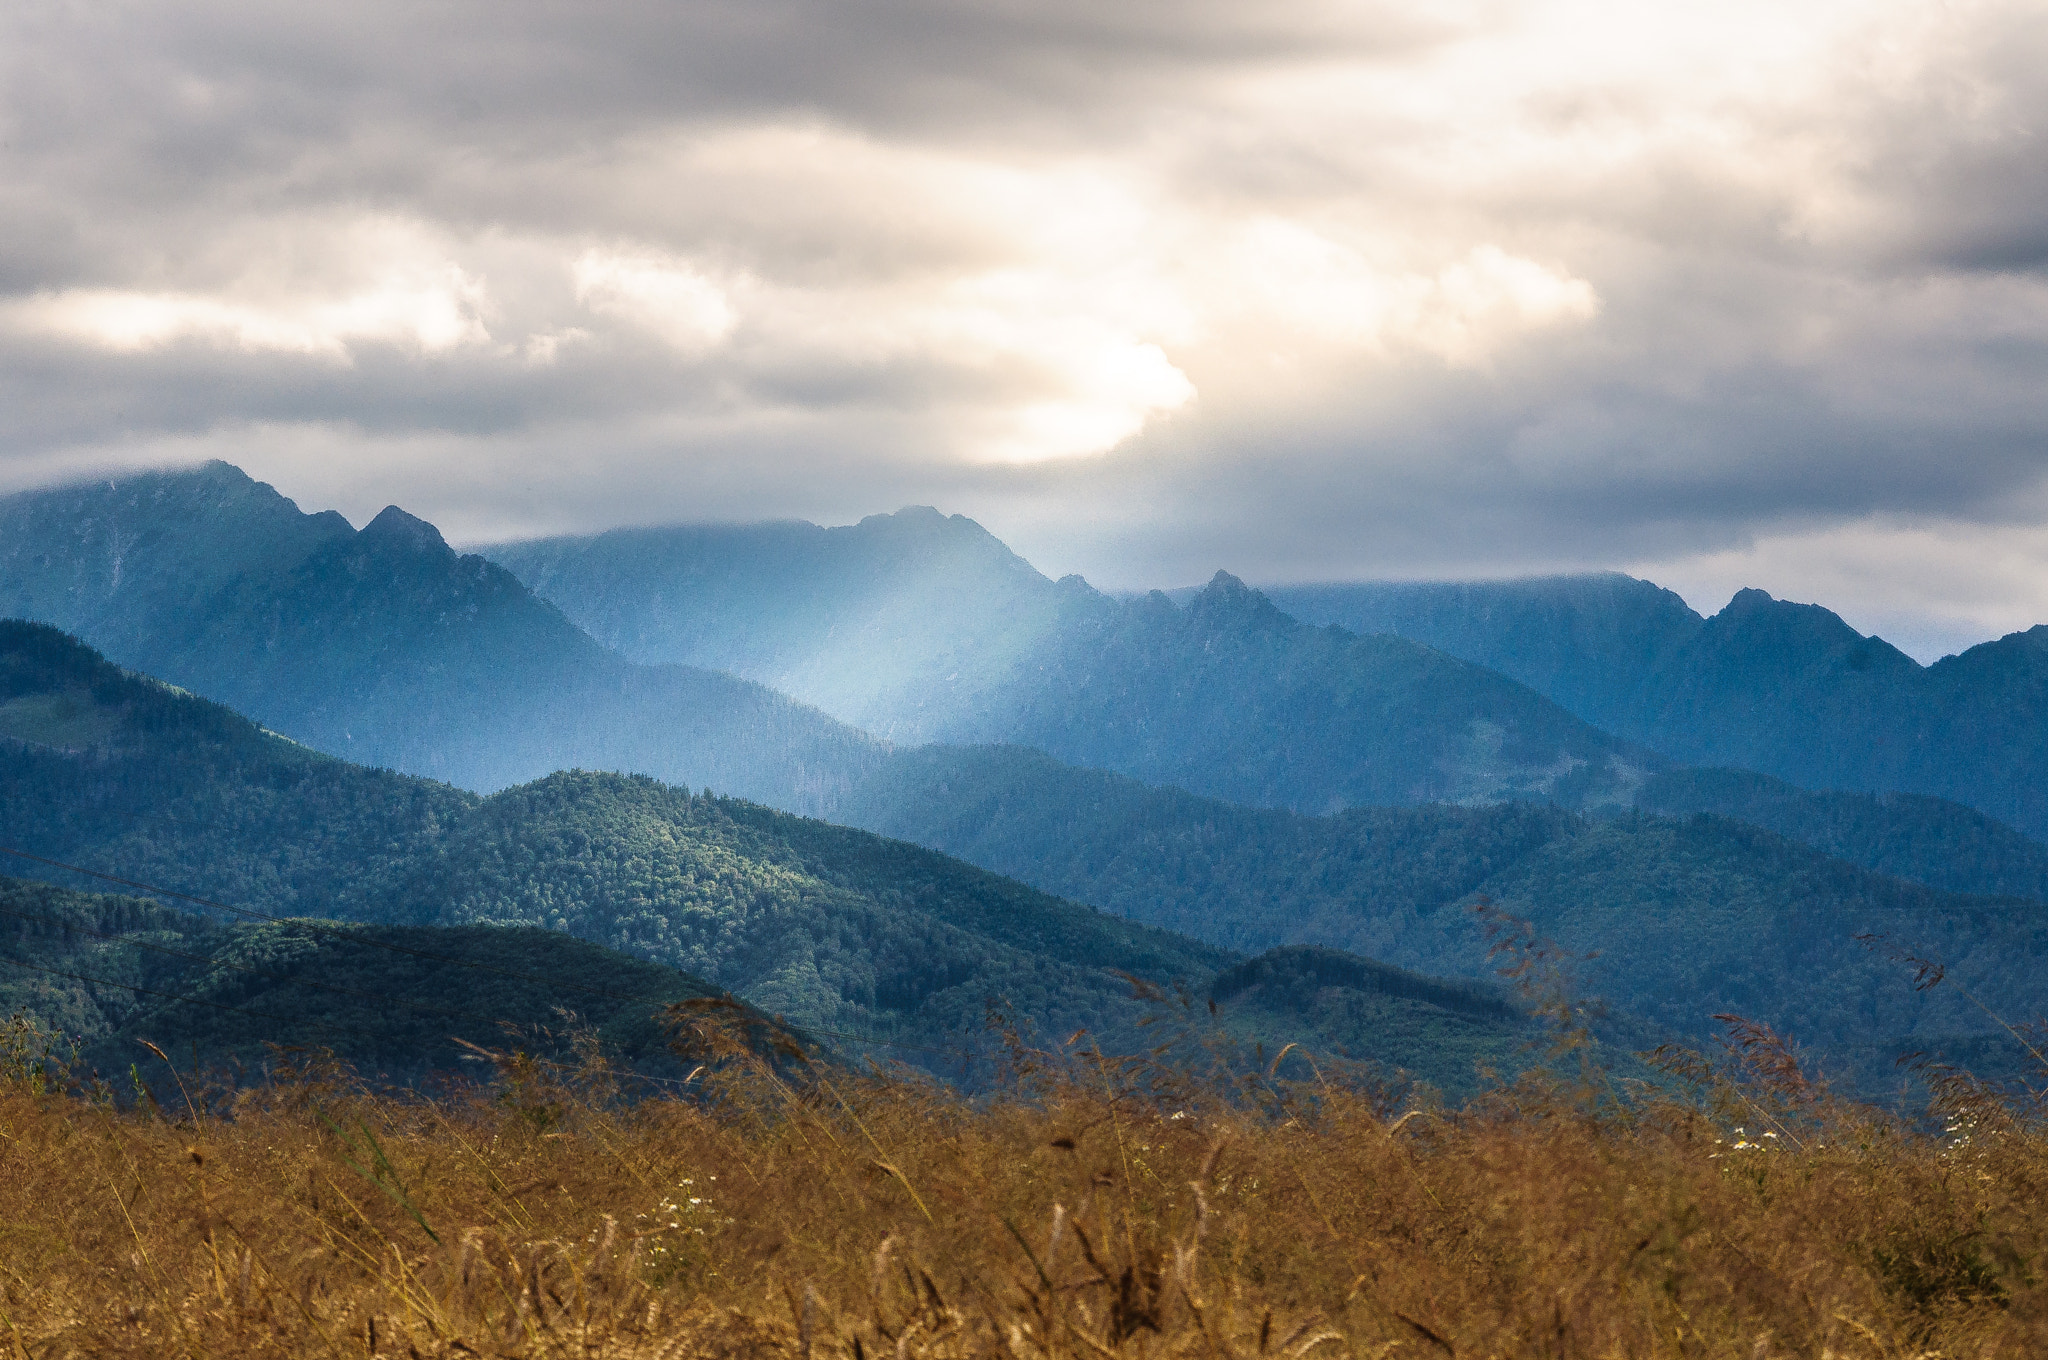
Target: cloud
{"points": [[429, 316], [1310, 289], [667, 297]]}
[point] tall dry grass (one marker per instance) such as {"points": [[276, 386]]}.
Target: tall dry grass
{"points": [[1092, 1209]]}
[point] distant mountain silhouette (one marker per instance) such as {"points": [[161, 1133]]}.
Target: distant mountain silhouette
{"points": [[1786, 689], [897, 625], [926, 628], [385, 645]]}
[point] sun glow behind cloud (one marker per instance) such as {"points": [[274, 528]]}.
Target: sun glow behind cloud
{"points": [[426, 314], [1315, 289]]}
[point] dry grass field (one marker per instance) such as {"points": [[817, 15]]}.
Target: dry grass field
{"points": [[1090, 1209]]}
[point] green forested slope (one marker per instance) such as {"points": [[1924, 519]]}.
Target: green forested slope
{"points": [[1909, 835], [838, 929], [1689, 917], [109, 970], [1248, 878]]}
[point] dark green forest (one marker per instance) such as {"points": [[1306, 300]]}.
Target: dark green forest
{"points": [[397, 1002], [1908, 835]]}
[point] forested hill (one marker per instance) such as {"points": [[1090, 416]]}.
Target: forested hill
{"points": [[395, 1001], [838, 929], [1688, 917], [1909, 835], [922, 627], [1786, 689], [387, 647]]}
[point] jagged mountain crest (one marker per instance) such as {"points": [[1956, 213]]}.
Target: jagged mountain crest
{"points": [[387, 646], [1227, 695], [1786, 689]]}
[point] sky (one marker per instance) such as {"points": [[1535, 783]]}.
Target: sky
{"points": [[1719, 294]]}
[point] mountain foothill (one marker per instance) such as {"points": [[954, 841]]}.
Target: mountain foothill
{"points": [[889, 783]]}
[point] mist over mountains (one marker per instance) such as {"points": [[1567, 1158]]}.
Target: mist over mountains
{"points": [[1222, 772], [864, 940], [923, 628]]}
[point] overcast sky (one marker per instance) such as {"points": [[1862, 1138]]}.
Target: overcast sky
{"points": [[1723, 293]]}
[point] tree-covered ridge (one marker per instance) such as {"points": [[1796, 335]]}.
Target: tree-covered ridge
{"points": [[838, 929], [1248, 878], [1908, 835], [107, 971], [832, 928], [1688, 917]]}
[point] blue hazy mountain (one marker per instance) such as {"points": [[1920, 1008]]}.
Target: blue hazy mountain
{"points": [[838, 929], [1589, 642], [899, 625], [1672, 919], [1914, 836], [385, 645], [1786, 689], [925, 628]]}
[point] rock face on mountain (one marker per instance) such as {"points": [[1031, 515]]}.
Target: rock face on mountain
{"points": [[1786, 689], [925, 628], [385, 645]]}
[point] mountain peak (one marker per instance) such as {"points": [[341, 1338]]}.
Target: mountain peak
{"points": [[1228, 601], [395, 528]]}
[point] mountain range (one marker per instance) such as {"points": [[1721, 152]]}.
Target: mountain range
{"points": [[1784, 689], [870, 943], [1222, 776], [386, 646], [924, 628]]}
